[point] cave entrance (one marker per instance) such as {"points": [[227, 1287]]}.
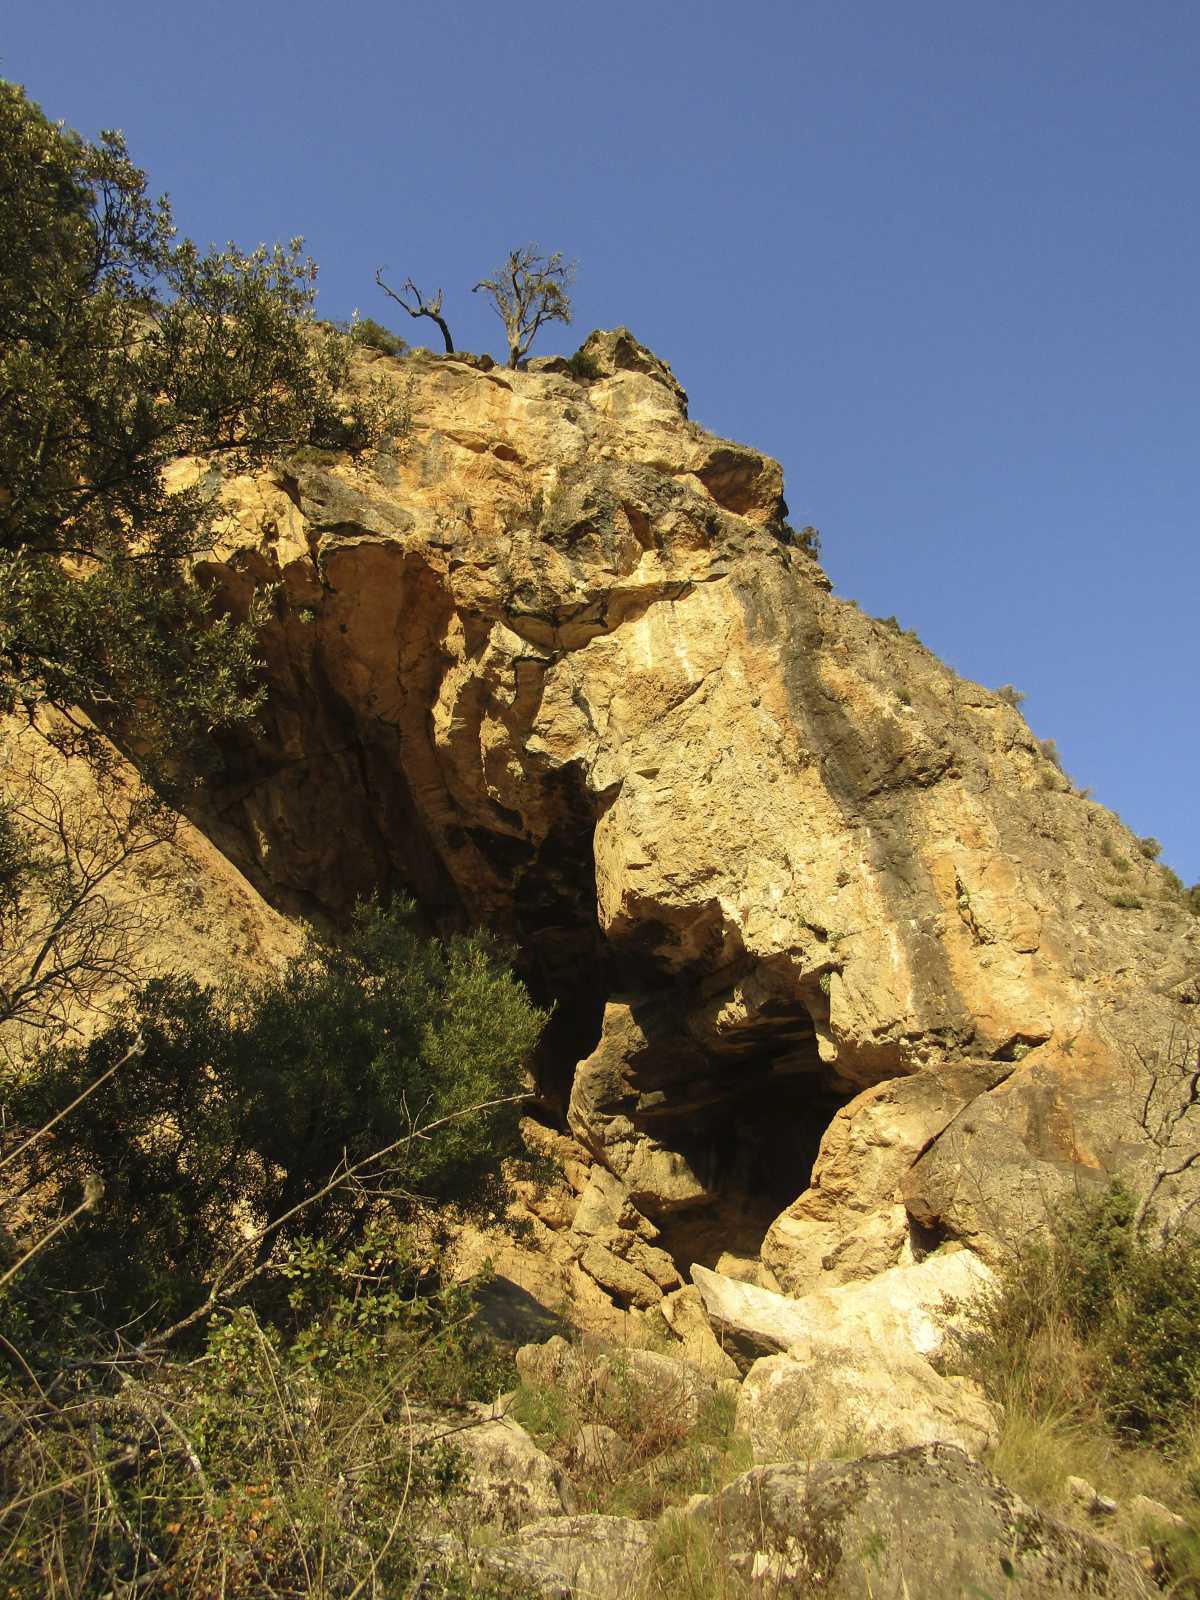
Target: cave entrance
{"points": [[756, 1151]]}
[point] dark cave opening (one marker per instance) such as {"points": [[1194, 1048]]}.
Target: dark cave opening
{"points": [[754, 1151]]}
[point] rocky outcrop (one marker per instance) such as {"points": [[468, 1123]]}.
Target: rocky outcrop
{"points": [[575, 1558], [557, 664], [827, 1397], [921, 1524], [651, 1381], [507, 1480]]}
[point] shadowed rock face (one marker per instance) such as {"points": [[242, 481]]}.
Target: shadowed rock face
{"points": [[557, 666]]}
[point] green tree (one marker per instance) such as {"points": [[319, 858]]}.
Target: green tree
{"points": [[123, 349], [528, 290]]}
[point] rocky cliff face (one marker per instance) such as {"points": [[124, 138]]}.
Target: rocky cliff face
{"points": [[800, 893]]}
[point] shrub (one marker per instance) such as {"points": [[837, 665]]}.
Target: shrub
{"points": [[1011, 695], [374, 336], [1049, 749], [218, 1114], [278, 1463], [664, 1450], [806, 538], [1096, 1322], [892, 623], [583, 366]]}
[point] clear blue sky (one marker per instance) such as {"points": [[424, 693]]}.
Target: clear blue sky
{"points": [[940, 258]]}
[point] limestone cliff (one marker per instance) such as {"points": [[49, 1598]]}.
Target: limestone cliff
{"points": [[557, 664]]}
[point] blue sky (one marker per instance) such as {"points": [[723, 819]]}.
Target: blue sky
{"points": [[940, 258]]}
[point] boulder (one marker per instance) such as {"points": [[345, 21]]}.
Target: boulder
{"points": [[917, 1305], [644, 1378], [683, 1312], [575, 1558], [509, 1481], [825, 1397], [851, 1222], [597, 1450], [921, 1524]]}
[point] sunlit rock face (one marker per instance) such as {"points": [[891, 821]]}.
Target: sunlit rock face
{"points": [[557, 665]]}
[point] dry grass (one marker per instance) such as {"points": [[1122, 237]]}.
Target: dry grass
{"points": [[665, 1448]]}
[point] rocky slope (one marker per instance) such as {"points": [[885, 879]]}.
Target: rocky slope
{"points": [[799, 893]]}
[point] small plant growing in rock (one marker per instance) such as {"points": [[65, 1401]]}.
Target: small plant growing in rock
{"points": [[584, 367], [1049, 749], [1150, 848], [1011, 695], [806, 538], [372, 335]]}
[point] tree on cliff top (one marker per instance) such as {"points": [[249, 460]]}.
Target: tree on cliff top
{"points": [[527, 291], [124, 349]]}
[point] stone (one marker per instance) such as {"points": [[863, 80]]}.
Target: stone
{"points": [[597, 1450], [748, 1319], [825, 1397], [918, 1305], [1086, 1500], [175, 904], [627, 1284], [926, 1523], [645, 1377], [1152, 1514], [683, 1312], [509, 1480], [575, 1558]]}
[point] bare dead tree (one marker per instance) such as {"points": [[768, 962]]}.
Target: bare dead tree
{"points": [[527, 291], [423, 308], [1166, 1114]]}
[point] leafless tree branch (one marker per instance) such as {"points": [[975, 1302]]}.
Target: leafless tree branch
{"points": [[423, 308]]}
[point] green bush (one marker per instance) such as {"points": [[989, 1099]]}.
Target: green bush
{"points": [[234, 1111], [584, 367], [278, 1462], [374, 336], [1097, 1320]]}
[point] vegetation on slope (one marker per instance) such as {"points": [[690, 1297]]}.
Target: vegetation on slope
{"points": [[220, 1292]]}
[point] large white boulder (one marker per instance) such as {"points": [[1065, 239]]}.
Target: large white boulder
{"points": [[825, 1398], [917, 1307]]}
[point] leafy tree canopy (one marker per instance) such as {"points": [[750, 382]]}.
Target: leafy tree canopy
{"points": [[124, 348]]}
